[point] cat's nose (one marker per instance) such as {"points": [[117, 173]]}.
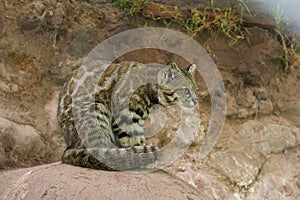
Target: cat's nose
{"points": [[194, 101]]}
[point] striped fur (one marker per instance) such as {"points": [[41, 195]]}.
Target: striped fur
{"points": [[98, 138]]}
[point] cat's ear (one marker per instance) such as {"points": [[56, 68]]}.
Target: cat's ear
{"points": [[192, 69], [172, 65]]}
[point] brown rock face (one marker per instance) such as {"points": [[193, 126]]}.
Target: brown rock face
{"points": [[59, 181]]}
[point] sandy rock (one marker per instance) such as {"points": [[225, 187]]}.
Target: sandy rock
{"points": [[279, 179], [246, 99], [111, 17], [241, 166], [241, 107], [4, 86], [244, 113], [5, 83], [260, 93], [99, 1], [232, 108], [51, 109], [3, 43], [296, 132], [27, 24], [291, 111], [18, 143], [209, 186], [2, 27], [268, 137], [79, 46], [2, 70], [114, 22], [59, 181], [265, 107]]}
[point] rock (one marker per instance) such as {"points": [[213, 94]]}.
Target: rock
{"points": [[2, 71], [11, 87], [99, 1], [242, 107], [244, 113], [232, 108], [4, 44], [19, 144], [59, 181], [241, 166], [252, 77], [95, 1], [265, 107], [51, 109], [296, 132], [4, 86], [291, 111], [112, 29], [25, 23], [246, 99], [260, 93], [3, 28], [57, 138], [111, 16], [114, 22], [279, 179], [209, 186], [267, 137], [79, 45], [65, 67]]}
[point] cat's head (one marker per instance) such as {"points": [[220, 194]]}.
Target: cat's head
{"points": [[177, 86]]}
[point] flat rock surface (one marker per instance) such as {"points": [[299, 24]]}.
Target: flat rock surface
{"points": [[256, 156], [279, 179], [60, 181]]}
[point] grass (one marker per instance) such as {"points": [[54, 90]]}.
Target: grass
{"points": [[130, 6], [290, 58], [228, 20]]}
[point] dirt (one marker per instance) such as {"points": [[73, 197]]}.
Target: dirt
{"points": [[41, 42]]}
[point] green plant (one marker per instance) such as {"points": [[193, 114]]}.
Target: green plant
{"points": [[277, 13], [290, 59], [130, 6], [227, 20], [175, 15], [197, 22]]}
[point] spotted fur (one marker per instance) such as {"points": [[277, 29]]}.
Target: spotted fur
{"points": [[96, 137]]}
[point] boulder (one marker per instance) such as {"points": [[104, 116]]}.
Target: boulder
{"points": [[20, 145], [60, 181], [268, 137]]}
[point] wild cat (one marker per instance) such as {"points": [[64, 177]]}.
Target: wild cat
{"points": [[97, 137]]}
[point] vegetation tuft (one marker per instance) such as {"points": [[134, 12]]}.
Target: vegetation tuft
{"points": [[130, 6], [291, 58], [228, 20]]}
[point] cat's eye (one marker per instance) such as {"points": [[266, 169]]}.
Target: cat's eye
{"points": [[186, 91]]}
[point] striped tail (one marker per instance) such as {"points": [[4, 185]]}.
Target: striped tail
{"points": [[116, 159]]}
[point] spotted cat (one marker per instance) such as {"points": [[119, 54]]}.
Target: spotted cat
{"points": [[97, 137]]}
